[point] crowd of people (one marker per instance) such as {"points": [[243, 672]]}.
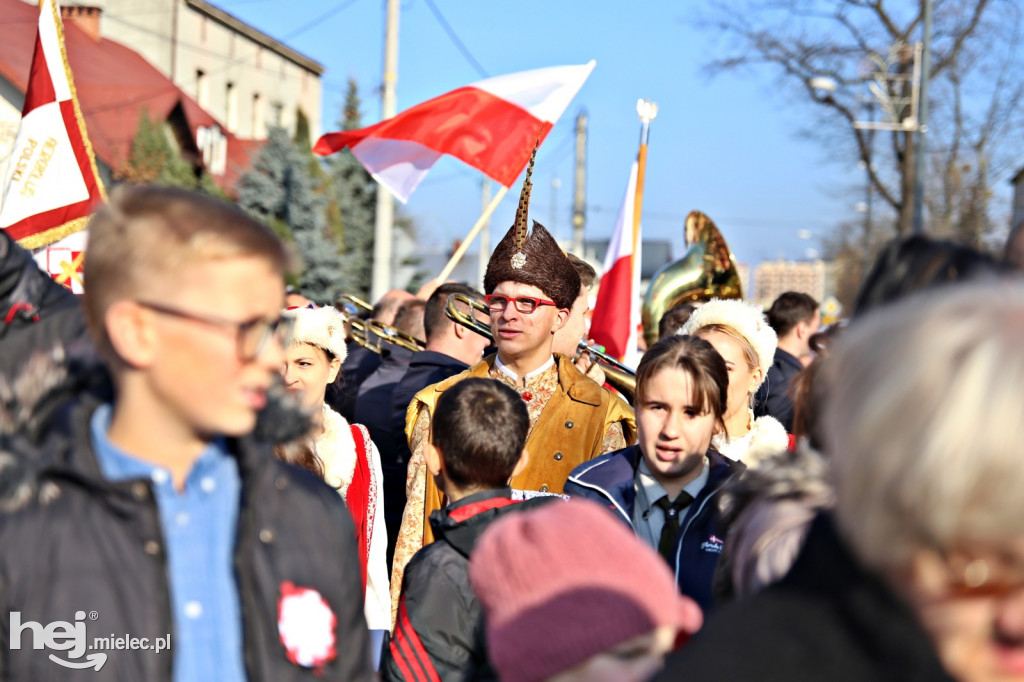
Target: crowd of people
{"points": [[193, 454]]}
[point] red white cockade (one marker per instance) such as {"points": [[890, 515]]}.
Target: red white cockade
{"points": [[306, 625]]}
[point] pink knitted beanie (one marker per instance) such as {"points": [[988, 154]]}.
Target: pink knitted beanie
{"points": [[565, 582]]}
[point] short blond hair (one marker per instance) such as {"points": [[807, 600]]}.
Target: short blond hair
{"points": [[144, 234], [922, 423]]}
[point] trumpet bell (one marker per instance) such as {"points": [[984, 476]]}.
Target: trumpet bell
{"points": [[707, 270]]}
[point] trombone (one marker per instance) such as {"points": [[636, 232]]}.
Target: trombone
{"points": [[370, 333], [620, 376], [389, 334]]}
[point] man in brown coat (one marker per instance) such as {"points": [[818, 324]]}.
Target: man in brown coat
{"points": [[531, 286]]}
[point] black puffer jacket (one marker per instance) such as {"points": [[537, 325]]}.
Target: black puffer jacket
{"points": [[36, 313], [80, 543], [439, 633]]}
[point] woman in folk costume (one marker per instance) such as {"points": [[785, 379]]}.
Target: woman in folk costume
{"points": [[531, 286], [741, 335], [349, 458]]}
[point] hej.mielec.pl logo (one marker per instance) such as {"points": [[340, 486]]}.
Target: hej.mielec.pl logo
{"points": [[72, 638]]}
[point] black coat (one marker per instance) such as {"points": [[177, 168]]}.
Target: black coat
{"points": [[439, 613], [36, 313], [773, 397], [359, 363], [87, 544], [829, 619], [426, 367]]}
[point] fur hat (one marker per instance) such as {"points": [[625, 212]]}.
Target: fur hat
{"points": [[321, 327], [530, 255], [746, 319], [566, 581]]}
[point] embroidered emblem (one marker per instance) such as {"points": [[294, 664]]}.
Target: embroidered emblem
{"points": [[713, 544], [306, 623], [518, 260]]}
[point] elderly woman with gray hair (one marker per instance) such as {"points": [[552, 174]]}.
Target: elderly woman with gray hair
{"points": [[918, 571]]}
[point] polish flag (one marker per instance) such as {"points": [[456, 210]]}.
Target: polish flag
{"points": [[492, 125], [50, 184], [616, 313]]}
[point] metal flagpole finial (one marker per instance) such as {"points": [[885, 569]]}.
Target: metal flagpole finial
{"points": [[647, 110]]}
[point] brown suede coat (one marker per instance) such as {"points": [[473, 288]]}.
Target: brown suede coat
{"points": [[568, 432]]}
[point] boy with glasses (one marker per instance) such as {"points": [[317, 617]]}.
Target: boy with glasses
{"points": [[531, 287], [156, 513]]}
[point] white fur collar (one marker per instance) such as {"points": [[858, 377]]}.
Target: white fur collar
{"points": [[767, 437], [337, 450]]}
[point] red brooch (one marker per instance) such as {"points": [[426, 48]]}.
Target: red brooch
{"points": [[306, 623], [527, 396]]}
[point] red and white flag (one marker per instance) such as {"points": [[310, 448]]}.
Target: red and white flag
{"points": [[492, 125], [50, 184], [617, 312]]}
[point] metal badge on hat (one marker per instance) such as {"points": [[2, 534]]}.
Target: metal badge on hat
{"points": [[522, 226]]}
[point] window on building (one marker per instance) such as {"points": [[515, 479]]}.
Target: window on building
{"points": [[231, 106], [202, 88], [277, 114], [259, 122]]}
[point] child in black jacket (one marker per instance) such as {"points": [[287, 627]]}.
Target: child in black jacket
{"points": [[476, 445]]}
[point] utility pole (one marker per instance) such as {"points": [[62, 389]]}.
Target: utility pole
{"points": [[579, 196], [384, 225], [485, 232], [922, 117]]}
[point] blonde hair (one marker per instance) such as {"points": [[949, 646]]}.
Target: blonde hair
{"points": [[145, 234], [922, 423]]}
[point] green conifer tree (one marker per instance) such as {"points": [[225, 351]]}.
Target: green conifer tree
{"points": [[153, 158], [355, 202], [280, 190]]}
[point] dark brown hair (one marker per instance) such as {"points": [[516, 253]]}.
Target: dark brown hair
{"points": [[587, 273], [302, 453], [699, 359], [674, 319], [480, 426], [434, 318], [790, 309]]}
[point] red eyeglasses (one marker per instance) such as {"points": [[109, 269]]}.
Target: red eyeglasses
{"points": [[497, 303]]}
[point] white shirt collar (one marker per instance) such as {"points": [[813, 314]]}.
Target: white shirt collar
{"points": [[654, 491], [502, 367]]}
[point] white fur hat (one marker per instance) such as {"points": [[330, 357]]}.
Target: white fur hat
{"points": [[321, 327], [746, 319]]}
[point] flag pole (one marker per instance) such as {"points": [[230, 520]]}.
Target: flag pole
{"points": [[461, 251], [647, 110]]}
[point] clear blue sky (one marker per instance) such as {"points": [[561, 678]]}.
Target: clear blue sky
{"points": [[726, 146]]}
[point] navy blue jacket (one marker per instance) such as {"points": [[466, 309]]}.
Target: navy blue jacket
{"points": [[773, 397], [609, 480], [359, 363]]}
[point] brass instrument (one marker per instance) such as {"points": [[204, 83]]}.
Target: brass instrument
{"points": [[370, 333], [620, 376], [389, 334], [358, 331], [353, 306], [707, 270]]}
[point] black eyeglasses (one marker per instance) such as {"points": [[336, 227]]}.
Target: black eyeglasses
{"points": [[251, 335], [497, 303]]}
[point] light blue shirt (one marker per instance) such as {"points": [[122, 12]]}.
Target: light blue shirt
{"points": [[199, 526]]}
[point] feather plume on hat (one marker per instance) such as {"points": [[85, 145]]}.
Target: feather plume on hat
{"points": [[530, 255]]}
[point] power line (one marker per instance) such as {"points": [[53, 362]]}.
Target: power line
{"points": [[456, 40], [320, 19]]}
